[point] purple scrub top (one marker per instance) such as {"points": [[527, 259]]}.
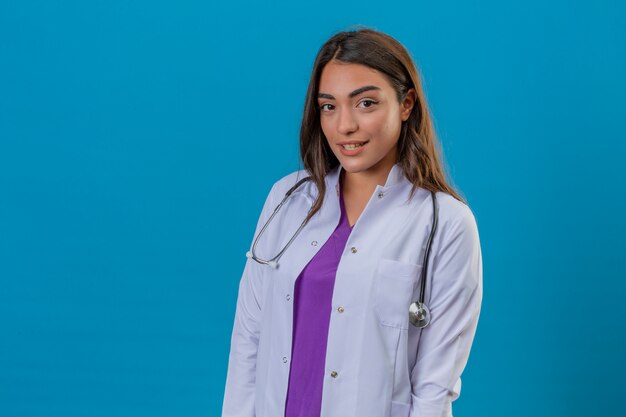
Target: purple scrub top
{"points": [[311, 315]]}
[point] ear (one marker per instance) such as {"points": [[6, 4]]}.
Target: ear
{"points": [[407, 105]]}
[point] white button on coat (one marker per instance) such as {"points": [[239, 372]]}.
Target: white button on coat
{"points": [[374, 347]]}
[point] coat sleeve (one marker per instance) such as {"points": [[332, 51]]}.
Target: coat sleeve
{"points": [[239, 393], [455, 302]]}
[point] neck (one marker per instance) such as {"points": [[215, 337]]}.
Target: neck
{"points": [[362, 184]]}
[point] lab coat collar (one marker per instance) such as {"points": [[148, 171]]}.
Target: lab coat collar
{"points": [[395, 177]]}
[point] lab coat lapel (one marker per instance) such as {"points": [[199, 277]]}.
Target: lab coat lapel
{"points": [[314, 234], [321, 226]]}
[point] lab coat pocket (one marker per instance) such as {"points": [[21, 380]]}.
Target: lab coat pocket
{"points": [[400, 409], [394, 285]]}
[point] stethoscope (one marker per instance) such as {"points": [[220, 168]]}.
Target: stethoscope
{"points": [[419, 314]]}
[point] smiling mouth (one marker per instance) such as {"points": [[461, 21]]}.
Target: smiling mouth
{"points": [[352, 146]]}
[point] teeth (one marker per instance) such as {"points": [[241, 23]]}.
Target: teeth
{"points": [[352, 146]]}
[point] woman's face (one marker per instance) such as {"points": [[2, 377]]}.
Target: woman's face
{"points": [[359, 106]]}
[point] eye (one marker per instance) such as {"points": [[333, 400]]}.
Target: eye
{"points": [[371, 103], [322, 108]]}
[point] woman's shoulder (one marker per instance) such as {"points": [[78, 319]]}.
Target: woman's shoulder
{"points": [[453, 212], [284, 183], [458, 247]]}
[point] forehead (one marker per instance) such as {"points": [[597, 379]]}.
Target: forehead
{"points": [[340, 79]]}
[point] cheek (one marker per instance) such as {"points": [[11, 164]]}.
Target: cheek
{"points": [[383, 125], [326, 127]]}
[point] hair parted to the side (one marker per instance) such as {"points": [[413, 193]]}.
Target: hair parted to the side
{"points": [[418, 147]]}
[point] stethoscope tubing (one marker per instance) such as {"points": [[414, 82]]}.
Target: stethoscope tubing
{"points": [[423, 315]]}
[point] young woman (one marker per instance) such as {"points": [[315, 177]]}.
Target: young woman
{"points": [[361, 296]]}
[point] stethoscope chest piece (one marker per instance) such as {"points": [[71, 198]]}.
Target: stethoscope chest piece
{"points": [[419, 315]]}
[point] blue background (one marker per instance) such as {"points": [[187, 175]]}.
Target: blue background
{"points": [[138, 141]]}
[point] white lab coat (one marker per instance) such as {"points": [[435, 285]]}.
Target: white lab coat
{"points": [[371, 344]]}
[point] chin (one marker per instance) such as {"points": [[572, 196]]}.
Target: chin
{"points": [[354, 166]]}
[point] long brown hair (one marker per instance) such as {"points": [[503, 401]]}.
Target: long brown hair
{"points": [[418, 150]]}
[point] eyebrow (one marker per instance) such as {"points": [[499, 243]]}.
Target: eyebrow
{"points": [[352, 94]]}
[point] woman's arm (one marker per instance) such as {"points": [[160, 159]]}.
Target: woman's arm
{"points": [[455, 303], [239, 393]]}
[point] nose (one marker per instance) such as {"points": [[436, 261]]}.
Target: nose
{"points": [[346, 123]]}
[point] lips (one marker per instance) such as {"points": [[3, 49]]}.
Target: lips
{"points": [[352, 150], [352, 145]]}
